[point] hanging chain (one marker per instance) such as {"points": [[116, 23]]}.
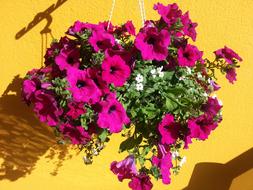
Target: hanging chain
{"points": [[111, 13]]}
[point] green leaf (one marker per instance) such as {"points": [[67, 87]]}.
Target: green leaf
{"points": [[130, 143], [103, 136]]}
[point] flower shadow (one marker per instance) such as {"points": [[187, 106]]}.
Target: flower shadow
{"points": [[212, 176], [23, 139]]}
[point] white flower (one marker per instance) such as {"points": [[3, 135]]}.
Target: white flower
{"points": [[214, 96], [188, 69], [159, 69], [182, 78], [175, 154], [139, 78], [161, 74], [199, 75], [205, 94], [182, 161], [153, 71], [139, 86], [220, 102]]}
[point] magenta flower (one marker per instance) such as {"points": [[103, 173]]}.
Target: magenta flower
{"points": [[115, 70], [231, 75], [83, 88], [200, 128], [46, 108], [76, 134], [125, 169], [153, 44], [130, 28], [28, 90], [68, 58], [189, 55], [169, 13], [112, 116], [140, 182], [168, 130], [163, 161], [75, 110], [214, 85], [212, 106], [79, 27], [101, 40], [228, 54], [189, 26]]}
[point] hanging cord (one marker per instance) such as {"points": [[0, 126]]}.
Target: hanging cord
{"points": [[111, 13], [142, 10]]}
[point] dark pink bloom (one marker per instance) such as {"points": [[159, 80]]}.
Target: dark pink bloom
{"points": [[200, 128], [28, 90], [168, 130], [75, 110], [153, 44], [112, 116], [169, 13], [115, 70], [125, 169], [83, 88], [130, 27], [212, 106], [214, 85], [228, 54], [68, 58], [101, 40], [79, 27], [189, 26], [189, 55], [231, 75], [76, 134], [46, 108], [140, 182]]}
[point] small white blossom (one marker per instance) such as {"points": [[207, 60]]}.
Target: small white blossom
{"points": [[159, 69], [175, 154], [161, 74], [139, 78], [182, 161], [220, 102], [205, 94], [139, 86], [188, 69], [214, 96], [182, 78], [199, 75]]}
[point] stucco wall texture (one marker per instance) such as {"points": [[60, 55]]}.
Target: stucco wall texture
{"points": [[29, 157]]}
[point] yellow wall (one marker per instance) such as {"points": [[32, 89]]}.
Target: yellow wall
{"points": [[28, 156]]}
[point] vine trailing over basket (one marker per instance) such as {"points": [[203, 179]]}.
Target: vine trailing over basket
{"points": [[154, 86]]}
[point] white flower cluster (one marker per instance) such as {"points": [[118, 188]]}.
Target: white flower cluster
{"points": [[139, 80], [158, 71]]}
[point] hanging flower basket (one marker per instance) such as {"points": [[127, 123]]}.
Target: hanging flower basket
{"points": [[154, 86]]}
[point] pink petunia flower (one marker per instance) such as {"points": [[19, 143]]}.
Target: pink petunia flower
{"points": [[130, 28], [189, 55], [200, 128], [153, 44], [214, 85], [115, 70], [112, 116], [140, 182], [76, 134], [75, 110], [79, 27], [163, 161], [231, 75], [212, 106], [168, 129], [68, 58], [125, 169], [83, 88], [28, 90], [46, 108], [170, 13], [101, 40], [189, 26], [228, 54]]}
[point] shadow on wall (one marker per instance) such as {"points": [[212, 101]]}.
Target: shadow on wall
{"points": [[23, 139], [215, 176]]}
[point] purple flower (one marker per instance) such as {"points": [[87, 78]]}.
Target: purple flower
{"points": [[112, 116], [82, 87], [163, 161], [168, 130], [101, 40], [130, 28], [200, 128], [140, 182], [231, 75], [68, 58], [76, 134], [169, 13], [189, 55], [28, 90], [228, 54], [153, 44], [115, 70], [189, 26], [75, 110], [125, 169], [214, 85], [79, 27], [46, 108], [212, 106]]}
